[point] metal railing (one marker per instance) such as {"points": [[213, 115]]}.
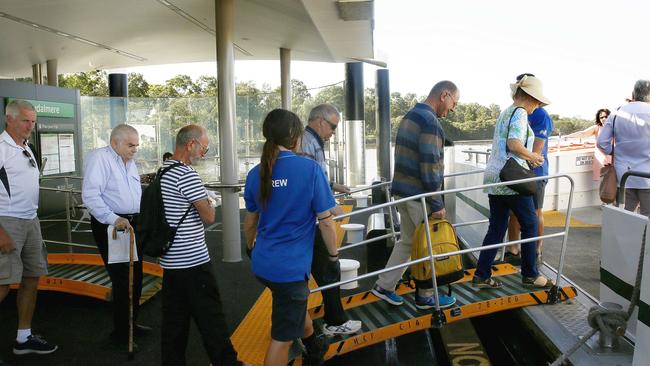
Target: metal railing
{"points": [[620, 199], [476, 154], [68, 190], [69, 207], [554, 292], [385, 186]]}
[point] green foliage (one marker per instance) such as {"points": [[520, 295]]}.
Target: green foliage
{"points": [[370, 113], [471, 121], [567, 125], [92, 83], [195, 102], [138, 86]]}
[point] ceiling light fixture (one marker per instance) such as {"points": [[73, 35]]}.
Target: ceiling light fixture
{"points": [[69, 36], [198, 23]]}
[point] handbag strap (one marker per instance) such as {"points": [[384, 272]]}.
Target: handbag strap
{"points": [[613, 135], [508, 131]]}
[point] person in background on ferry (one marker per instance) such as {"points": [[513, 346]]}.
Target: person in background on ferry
{"points": [[323, 121], [419, 168], [542, 126], [189, 285], [111, 192], [166, 156], [285, 194], [628, 128], [23, 257], [600, 159], [513, 137]]}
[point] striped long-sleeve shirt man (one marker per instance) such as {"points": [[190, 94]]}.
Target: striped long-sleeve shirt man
{"points": [[419, 155], [419, 168]]}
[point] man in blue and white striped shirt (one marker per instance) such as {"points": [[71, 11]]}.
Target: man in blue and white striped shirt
{"points": [[189, 284]]}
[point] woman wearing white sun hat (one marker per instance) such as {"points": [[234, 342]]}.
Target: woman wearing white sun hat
{"points": [[513, 138]]}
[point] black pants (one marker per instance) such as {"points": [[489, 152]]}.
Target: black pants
{"points": [[119, 274], [334, 313], [192, 293]]}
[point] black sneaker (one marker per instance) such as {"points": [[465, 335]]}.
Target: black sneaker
{"points": [[34, 344]]}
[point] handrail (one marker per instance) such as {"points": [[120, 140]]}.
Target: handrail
{"points": [[389, 182], [476, 153], [48, 177], [432, 257], [68, 220], [361, 189], [397, 233], [621, 191], [488, 152], [236, 187], [65, 190], [385, 186]]}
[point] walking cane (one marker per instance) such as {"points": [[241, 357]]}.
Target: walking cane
{"points": [[131, 244]]}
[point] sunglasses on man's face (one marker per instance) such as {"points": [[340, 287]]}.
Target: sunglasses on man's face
{"points": [[333, 126], [28, 156]]}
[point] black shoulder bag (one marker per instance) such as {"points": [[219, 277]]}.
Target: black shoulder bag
{"points": [[514, 171]]}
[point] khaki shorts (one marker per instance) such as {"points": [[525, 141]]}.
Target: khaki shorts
{"points": [[30, 257]]}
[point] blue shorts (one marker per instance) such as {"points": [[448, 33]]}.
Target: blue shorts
{"points": [[289, 309], [538, 200]]}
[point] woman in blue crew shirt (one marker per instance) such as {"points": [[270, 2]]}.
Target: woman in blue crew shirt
{"points": [[285, 195]]}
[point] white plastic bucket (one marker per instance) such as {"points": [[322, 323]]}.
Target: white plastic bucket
{"points": [[361, 200], [349, 269], [354, 232]]}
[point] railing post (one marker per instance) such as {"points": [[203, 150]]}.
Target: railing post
{"points": [[391, 219], [432, 261], [68, 192]]}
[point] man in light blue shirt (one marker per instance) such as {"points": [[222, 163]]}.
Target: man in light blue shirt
{"points": [[111, 192], [626, 134], [322, 124]]}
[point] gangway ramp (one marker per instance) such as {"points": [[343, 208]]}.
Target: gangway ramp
{"points": [[382, 321], [85, 275]]}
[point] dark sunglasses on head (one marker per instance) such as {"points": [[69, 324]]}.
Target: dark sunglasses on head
{"points": [[28, 156]]}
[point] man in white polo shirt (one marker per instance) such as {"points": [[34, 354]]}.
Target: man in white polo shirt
{"points": [[23, 257]]}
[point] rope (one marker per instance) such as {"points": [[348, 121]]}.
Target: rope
{"points": [[610, 322]]}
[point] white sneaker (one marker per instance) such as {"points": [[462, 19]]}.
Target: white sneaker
{"points": [[349, 327]]}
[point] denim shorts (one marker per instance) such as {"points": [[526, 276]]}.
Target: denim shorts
{"points": [[289, 309]]}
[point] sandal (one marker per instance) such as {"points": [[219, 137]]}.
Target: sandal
{"points": [[512, 258], [537, 282], [490, 282]]}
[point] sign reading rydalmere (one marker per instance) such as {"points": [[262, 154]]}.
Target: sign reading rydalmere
{"points": [[51, 109]]}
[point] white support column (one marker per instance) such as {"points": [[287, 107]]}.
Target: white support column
{"points": [[285, 77], [224, 16]]}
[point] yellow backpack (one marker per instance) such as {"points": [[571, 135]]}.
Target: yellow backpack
{"points": [[443, 240]]}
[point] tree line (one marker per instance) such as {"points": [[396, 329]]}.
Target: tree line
{"points": [[470, 121]]}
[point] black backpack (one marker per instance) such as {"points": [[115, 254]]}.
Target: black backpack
{"points": [[154, 233]]}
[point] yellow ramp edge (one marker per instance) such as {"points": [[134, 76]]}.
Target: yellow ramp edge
{"points": [[555, 218]]}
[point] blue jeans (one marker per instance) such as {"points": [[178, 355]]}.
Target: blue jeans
{"points": [[524, 209]]}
